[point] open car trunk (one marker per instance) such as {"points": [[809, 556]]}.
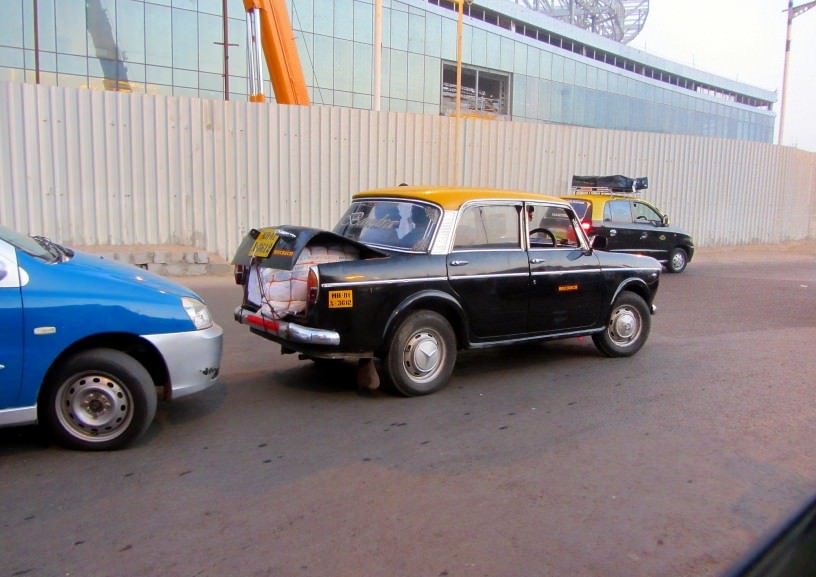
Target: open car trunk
{"points": [[277, 261]]}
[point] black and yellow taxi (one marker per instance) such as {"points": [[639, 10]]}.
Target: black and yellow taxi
{"points": [[608, 208], [410, 275]]}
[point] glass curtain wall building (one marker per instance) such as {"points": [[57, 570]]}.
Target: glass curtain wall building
{"points": [[517, 63]]}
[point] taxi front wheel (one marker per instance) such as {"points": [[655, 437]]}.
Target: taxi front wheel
{"points": [[678, 259], [99, 400], [627, 327], [421, 354]]}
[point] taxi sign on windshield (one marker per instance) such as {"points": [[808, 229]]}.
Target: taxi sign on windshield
{"points": [[264, 243]]}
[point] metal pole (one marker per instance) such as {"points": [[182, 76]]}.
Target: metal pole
{"points": [[459, 25], [226, 48], [785, 74], [792, 13], [254, 57], [36, 42], [377, 53]]}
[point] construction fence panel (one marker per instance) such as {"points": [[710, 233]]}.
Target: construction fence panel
{"points": [[91, 168]]}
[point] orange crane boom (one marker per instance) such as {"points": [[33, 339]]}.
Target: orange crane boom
{"points": [[268, 27]]}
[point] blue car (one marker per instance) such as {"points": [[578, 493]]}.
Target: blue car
{"points": [[87, 344]]}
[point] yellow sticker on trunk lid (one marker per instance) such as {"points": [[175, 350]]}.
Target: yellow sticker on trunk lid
{"points": [[340, 299]]}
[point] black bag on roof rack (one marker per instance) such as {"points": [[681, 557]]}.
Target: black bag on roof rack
{"points": [[615, 182]]}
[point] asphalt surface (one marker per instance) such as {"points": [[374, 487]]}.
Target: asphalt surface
{"points": [[546, 460]]}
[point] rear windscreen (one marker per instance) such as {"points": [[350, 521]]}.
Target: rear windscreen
{"points": [[580, 207]]}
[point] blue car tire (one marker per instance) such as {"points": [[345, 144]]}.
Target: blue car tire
{"points": [[99, 399]]}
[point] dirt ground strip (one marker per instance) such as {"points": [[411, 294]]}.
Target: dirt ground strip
{"points": [[789, 250]]}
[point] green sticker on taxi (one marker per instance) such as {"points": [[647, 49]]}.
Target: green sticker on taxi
{"points": [[340, 299], [264, 243]]}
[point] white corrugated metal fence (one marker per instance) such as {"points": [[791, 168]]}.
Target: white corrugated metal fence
{"points": [[102, 168]]}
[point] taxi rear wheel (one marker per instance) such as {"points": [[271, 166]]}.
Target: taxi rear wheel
{"points": [[421, 354], [99, 400], [627, 328], [678, 259]]}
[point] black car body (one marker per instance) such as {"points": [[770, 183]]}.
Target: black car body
{"points": [[411, 274], [609, 208]]}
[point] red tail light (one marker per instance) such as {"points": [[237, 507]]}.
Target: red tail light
{"points": [[587, 226], [312, 285], [240, 273]]}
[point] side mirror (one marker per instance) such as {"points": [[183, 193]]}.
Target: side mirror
{"points": [[666, 221], [598, 242]]}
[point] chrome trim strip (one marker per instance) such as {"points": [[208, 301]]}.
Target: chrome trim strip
{"points": [[488, 249], [490, 275], [628, 269], [568, 271], [330, 285]]}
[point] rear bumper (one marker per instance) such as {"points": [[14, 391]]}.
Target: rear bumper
{"points": [[287, 331]]}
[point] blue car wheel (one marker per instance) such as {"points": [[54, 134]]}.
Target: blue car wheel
{"points": [[100, 399]]}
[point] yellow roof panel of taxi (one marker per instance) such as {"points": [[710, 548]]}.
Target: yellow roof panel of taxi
{"points": [[451, 198]]}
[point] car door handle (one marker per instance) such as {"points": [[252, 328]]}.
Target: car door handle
{"points": [[459, 262], [537, 260], [643, 235], [613, 232]]}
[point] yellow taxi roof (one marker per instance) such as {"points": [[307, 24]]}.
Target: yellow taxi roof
{"points": [[451, 198]]}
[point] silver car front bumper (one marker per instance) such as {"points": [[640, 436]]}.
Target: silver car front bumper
{"points": [[193, 359]]}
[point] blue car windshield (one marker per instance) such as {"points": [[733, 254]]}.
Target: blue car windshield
{"points": [[398, 224], [28, 244]]}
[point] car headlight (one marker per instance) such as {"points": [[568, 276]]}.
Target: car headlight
{"points": [[198, 312]]}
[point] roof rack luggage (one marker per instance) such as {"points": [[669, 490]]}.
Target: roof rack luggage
{"points": [[613, 184]]}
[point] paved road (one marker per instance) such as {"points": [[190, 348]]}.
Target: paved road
{"points": [[548, 460]]}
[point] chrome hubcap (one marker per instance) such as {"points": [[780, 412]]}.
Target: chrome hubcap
{"points": [[678, 260], [422, 355], [624, 327]]}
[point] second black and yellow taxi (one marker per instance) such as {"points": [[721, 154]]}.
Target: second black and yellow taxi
{"points": [[609, 208]]}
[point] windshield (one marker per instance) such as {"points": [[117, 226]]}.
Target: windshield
{"points": [[403, 225], [36, 246]]}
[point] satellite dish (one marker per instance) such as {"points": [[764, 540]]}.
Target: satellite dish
{"points": [[620, 20]]}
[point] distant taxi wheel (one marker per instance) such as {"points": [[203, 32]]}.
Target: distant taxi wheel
{"points": [[678, 259], [627, 328], [99, 400], [421, 354]]}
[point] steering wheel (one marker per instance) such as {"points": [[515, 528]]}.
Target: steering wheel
{"points": [[545, 231]]}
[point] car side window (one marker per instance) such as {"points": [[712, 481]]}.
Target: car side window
{"points": [[645, 213], [489, 226], [618, 211], [550, 226]]}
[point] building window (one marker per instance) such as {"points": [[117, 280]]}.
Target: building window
{"points": [[483, 92]]}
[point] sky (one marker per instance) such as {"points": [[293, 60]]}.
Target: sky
{"points": [[743, 40]]}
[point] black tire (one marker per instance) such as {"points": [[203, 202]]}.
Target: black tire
{"points": [[627, 328], [421, 354], [678, 259], [98, 400]]}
